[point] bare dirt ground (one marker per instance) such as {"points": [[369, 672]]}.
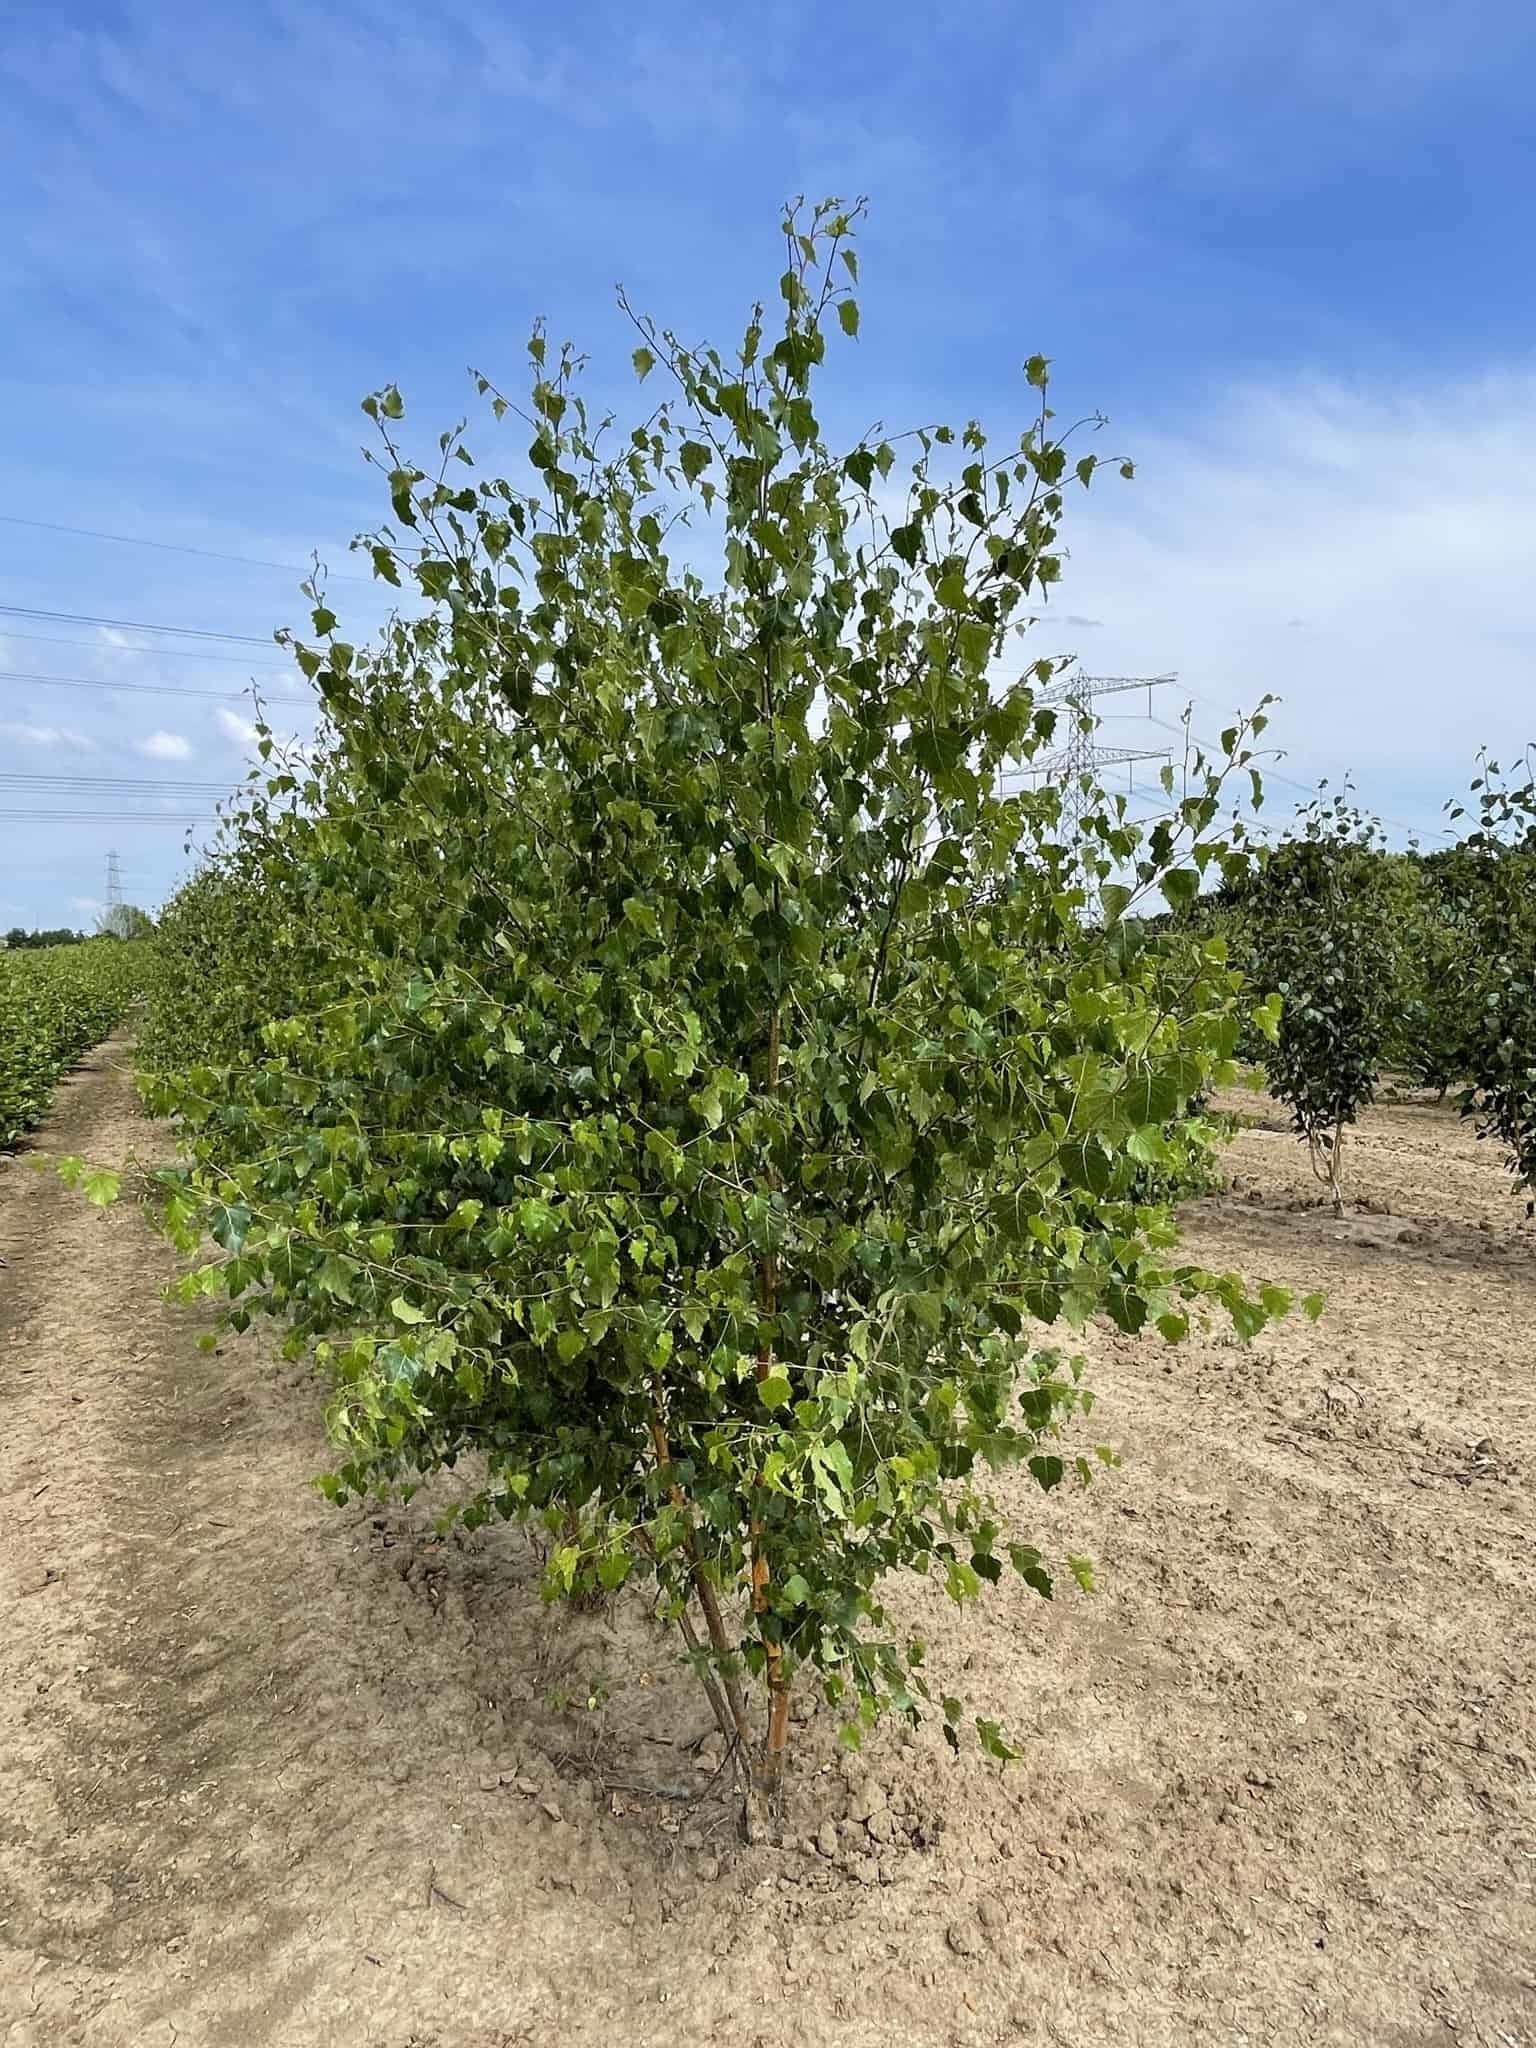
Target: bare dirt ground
{"points": [[277, 1774]]}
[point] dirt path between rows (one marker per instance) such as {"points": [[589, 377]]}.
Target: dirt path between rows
{"points": [[277, 1776]]}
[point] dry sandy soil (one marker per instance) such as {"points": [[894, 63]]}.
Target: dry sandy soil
{"points": [[277, 1774]]}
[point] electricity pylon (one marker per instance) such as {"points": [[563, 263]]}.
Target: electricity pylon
{"points": [[1081, 756], [114, 882]]}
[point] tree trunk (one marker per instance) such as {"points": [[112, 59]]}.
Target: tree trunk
{"points": [[1325, 1164], [712, 1692], [704, 1592], [768, 1774]]}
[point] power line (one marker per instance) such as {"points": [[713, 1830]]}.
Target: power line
{"points": [[1310, 789], [22, 611], [16, 675], [141, 785], [1268, 774], [172, 547], [139, 653], [102, 818]]}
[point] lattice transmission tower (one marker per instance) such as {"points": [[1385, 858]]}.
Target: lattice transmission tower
{"points": [[114, 882], [1082, 756]]}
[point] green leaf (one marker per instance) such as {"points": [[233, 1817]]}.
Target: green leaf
{"points": [[694, 458], [1267, 1016], [1180, 885], [644, 363], [1048, 1472], [991, 1739], [848, 316], [1148, 1146], [1114, 900], [833, 1473], [100, 1186], [1155, 1098], [1085, 1164], [405, 1311], [774, 1391], [1027, 1562], [614, 1569]]}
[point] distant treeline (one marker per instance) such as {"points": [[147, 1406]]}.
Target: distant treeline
{"points": [[17, 940], [118, 921]]}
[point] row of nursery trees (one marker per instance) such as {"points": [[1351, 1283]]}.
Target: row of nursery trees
{"points": [[657, 1040], [1419, 965]]}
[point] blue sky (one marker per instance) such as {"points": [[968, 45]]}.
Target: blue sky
{"points": [[1287, 250]]}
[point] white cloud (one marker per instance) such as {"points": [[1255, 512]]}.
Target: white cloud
{"points": [[290, 749], [234, 727], [48, 736], [165, 746], [1365, 555]]}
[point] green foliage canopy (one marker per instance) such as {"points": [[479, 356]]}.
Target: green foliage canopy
{"points": [[686, 1075], [54, 1003], [1317, 926], [1496, 876]]}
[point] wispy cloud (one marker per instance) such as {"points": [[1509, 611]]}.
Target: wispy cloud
{"points": [[207, 233], [1201, 90], [1363, 553], [48, 736]]}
